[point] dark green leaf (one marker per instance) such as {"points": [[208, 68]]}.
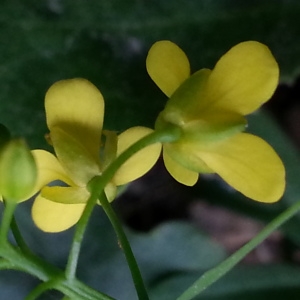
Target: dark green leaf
{"points": [[107, 41], [156, 251], [4, 135]]}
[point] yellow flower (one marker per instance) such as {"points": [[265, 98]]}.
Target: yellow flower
{"points": [[74, 113], [209, 107]]}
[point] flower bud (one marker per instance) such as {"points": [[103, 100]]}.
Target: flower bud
{"points": [[18, 171]]}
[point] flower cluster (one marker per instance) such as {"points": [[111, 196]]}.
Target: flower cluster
{"points": [[209, 109]]}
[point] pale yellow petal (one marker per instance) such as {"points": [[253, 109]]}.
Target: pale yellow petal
{"points": [[49, 169], [110, 191], [141, 162], [66, 195], [168, 66], [55, 217], [77, 106], [248, 164], [243, 79], [178, 172]]}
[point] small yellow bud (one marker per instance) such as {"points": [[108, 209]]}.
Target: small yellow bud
{"points": [[18, 171]]}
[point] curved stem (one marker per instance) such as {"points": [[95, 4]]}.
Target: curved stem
{"points": [[6, 265], [41, 288], [157, 136], [18, 236], [125, 245], [39, 268], [211, 276], [27, 262], [77, 291], [172, 134]]}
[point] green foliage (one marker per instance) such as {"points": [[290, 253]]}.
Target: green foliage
{"points": [[107, 41], [246, 282]]}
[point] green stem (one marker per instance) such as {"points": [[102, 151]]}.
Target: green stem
{"points": [[125, 245], [8, 213], [172, 134], [9, 222], [5, 265], [39, 268], [219, 271], [155, 137], [28, 263], [77, 291], [78, 237], [18, 236], [41, 288], [93, 294], [98, 184]]}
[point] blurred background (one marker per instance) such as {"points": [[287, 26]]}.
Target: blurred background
{"points": [[176, 232]]}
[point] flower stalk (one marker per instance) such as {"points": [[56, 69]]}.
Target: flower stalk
{"points": [[211, 276], [125, 246], [96, 187], [8, 213]]}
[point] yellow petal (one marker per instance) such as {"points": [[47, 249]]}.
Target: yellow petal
{"points": [[168, 66], [77, 106], [243, 79], [248, 164], [110, 191], [178, 172], [49, 169], [141, 162], [76, 160], [55, 217], [66, 195]]}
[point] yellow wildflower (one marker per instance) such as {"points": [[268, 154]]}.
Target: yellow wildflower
{"points": [[74, 113], [209, 107]]}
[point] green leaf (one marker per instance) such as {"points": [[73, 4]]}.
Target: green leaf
{"points": [[156, 251], [107, 41]]}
